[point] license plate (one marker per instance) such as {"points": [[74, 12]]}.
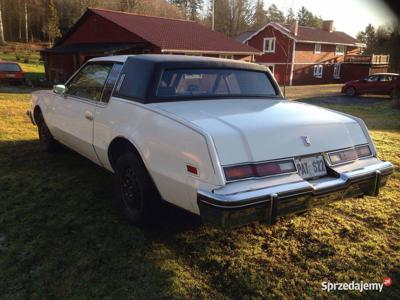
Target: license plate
{"points": [[10, 75], [312, 166]]}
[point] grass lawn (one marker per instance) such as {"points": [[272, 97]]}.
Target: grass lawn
{"points": [[61, 235]]}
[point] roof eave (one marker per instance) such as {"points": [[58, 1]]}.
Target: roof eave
{"points": [[289, 35], [211, 51]]}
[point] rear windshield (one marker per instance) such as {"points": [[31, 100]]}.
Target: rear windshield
{"points": [[9, 67], [206, 83]]}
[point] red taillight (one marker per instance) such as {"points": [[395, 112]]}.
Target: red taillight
{"points": [[191, 169], [239, 172], [259, 170]]}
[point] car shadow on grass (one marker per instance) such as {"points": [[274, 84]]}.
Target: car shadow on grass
{"points": [[57, 216]]}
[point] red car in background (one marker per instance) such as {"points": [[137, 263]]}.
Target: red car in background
{"points": [[11, 72], [380, 83]]}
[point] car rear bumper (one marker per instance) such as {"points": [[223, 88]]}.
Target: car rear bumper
{"points": [[269, 203]]}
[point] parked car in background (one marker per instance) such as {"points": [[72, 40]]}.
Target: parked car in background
{"points": [[11, 72], [212, 136], [380, 83]]}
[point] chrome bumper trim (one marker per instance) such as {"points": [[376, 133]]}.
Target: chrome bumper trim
{"points": [[249, 198]]}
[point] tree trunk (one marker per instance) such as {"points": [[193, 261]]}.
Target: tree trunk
{"points": [[2, 41], [26, 23]]}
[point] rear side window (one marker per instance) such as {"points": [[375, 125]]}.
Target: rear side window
{"points": [[372, 78], [89, 82], [204, 83], [111, 80], [5, 67]]}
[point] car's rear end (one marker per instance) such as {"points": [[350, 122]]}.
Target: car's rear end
{"points": [[11, 72], [274, 157]]}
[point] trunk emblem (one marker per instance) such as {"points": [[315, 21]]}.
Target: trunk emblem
{"points": [[306, 141]]}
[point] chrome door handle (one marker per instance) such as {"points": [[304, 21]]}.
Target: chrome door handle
{"points": [[89, 115]]}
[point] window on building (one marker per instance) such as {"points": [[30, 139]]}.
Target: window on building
{"points": [[269, 45], [317, 48], [336, 71], [318, 69], [340, 50]]}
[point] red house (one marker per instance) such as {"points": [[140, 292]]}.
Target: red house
{"points": [[101, 32], [307, 55]]}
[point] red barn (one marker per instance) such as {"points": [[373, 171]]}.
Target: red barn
{"points": [[307, 55], [102, 32]]}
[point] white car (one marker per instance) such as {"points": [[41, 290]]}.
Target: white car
{"points": [[214, 137]]}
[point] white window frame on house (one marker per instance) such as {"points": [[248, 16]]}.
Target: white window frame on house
{"points": [[336, 71], [317, 48], [340, 52], [318, 71], [271, 45]]}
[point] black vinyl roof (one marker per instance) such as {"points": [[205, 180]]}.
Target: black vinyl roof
{"points": [[165, 61], [141, 73]]}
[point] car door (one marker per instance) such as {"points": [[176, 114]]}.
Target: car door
{"points": [[103, 119], [385, 84], [74, 111], [368, 85]]}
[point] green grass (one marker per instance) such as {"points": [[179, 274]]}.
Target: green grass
{"points": [[62, 237], [34, 70]]}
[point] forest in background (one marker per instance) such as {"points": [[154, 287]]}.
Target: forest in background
{"points": [[33, 21]]}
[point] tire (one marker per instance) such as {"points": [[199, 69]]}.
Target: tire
{"points": [[351, 91], [136, 194], [46, 139]]}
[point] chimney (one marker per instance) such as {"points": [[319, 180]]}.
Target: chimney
{"points": [[327, 25], [295, 27]]}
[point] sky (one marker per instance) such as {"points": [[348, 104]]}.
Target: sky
{"points": [[350, 16]]}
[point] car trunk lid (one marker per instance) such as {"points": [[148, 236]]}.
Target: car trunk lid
{"points": [[251, 130]]}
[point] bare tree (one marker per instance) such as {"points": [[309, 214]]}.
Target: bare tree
{"points": [[2, 41], [26, 22]]}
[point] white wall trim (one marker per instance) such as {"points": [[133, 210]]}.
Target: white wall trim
{"points": [[292, 66]]}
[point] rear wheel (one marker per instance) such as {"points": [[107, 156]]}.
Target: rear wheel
{"points": [[46, 139], [136, 193], [350, 91]]}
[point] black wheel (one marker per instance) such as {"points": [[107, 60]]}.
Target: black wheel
{"points": [[136, 194], [350, 91], [46, 139]]}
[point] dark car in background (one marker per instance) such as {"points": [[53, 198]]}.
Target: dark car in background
{"points": [[380, 83], [11, 72]]}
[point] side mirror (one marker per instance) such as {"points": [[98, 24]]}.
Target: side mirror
{"points": [[59, 89]]}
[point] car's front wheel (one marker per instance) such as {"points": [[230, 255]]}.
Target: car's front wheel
{"points": [[351, 91], [46, 139], [135, 191]]}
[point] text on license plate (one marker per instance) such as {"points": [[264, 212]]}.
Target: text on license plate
{"points": [[312, 166], [10, 75]]}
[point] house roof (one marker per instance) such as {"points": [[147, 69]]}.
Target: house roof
{"points": [[308, 34], [92, 47], [172, 35], [243, 36]]}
